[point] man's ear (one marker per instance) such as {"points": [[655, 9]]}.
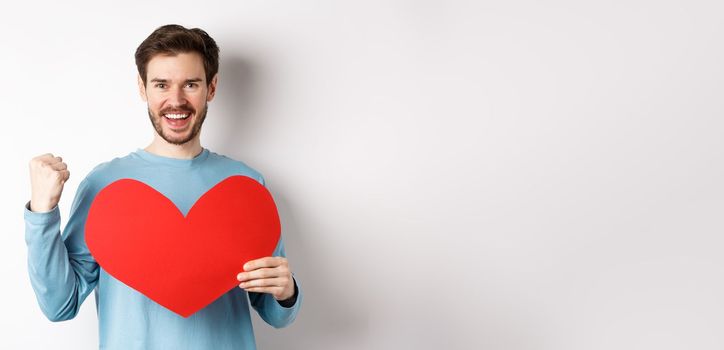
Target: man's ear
{"points": [[142, 89], [212, 88]]}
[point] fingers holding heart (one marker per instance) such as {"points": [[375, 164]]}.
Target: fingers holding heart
{"points": [[267, 275], [264, 283], [272, 285], [268, 262], [258, 275]]}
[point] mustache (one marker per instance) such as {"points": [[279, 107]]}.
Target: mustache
{"points": [[183, 109]]}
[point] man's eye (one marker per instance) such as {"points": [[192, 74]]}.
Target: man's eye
{"points": [[191, 85], [160, 86]]}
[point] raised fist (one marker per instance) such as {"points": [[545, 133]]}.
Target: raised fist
{"points": [[48, 174]]}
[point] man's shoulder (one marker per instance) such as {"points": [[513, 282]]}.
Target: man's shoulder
{"points": [[109, 171], [114, 165], [227, 164]]}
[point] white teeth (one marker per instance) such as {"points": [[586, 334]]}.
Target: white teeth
{"points": [[176, 116]]}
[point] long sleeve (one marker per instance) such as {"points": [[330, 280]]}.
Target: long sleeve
{"points": [[62, 271], [270, 310]]}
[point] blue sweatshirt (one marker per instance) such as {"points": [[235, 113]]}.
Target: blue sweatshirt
{"points": [[63, 273]]}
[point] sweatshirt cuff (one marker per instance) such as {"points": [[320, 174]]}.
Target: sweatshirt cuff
{"points": [[288, 303], [41, 218]]}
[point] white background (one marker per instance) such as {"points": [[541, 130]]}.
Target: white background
{"points": [[458, 175]]}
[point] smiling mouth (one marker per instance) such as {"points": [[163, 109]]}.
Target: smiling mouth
{"points": [[177, 115], [177, 120]]}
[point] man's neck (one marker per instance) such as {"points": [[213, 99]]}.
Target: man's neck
{"points": [[161, 147]]}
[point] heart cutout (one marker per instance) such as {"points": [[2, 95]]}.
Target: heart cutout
{"points": [[183, 263]]}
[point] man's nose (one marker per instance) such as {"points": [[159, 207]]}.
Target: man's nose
{"points": [[177, 96]]}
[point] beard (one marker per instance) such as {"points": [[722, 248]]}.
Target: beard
{"points": [[195, 126]]}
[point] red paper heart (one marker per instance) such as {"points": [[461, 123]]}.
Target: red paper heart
{"points": [[183, 263]]}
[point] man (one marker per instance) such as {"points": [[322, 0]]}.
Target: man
{"points": [[177, 78]]}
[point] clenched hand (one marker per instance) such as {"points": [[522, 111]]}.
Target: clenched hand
{"points": [[48, 174]]}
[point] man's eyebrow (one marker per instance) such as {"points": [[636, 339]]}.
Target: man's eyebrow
{"points": [[192, 80]]}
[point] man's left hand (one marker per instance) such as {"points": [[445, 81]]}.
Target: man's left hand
{"points": [[268, 275]]}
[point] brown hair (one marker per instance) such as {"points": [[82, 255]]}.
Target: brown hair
{"points": [[173, 39]]}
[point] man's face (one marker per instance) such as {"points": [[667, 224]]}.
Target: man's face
{"points": [[177, 95]]}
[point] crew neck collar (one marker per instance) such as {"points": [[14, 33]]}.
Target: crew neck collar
{"points": [[174, 162]]}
